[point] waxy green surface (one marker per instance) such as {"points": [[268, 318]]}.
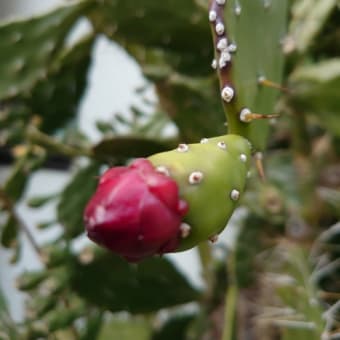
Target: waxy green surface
{"points": [[210, 202]]}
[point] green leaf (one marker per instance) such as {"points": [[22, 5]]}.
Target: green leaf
{"points": [[39, 306], [112, 283], [8, 329], [3, 303], [55, 255], [315, 89], [61, 318], [9, 232], [15, 184], [282, 174], [13, 121], [332, 198], [94, 322], [128, 147], [39, 201], [30, 280], [182, 30], [248, 246], [308, 18], [193, 104], [297, 291], [330, 236], [29, 46], [175, 328], [125, 330], [56, 98], [74, 199]]}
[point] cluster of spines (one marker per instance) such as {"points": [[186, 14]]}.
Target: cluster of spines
{"points": [[223, 49]]}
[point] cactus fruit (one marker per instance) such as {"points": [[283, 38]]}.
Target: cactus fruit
{"points": [[211, 176], [142, 209]]}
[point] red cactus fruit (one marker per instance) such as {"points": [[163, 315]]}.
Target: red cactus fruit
{"points": [[136, 211]]}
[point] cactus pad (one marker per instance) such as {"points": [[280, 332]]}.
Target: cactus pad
{"points": [[253, 32], [27, 47]]}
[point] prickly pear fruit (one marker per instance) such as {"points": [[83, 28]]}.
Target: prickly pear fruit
{"points": [[211, 177], [171, 201]]}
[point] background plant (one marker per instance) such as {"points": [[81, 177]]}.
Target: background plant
{"points": [[281, 278]]}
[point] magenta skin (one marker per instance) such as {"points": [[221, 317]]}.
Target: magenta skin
{"points": [[136, 212]]}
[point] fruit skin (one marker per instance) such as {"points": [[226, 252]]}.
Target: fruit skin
{"points": [[136, 212], [224, 172]]}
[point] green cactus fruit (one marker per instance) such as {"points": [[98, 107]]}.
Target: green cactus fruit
{"points": [[211, 176]]}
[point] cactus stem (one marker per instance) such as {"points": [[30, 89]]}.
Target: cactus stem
{"points": [[183, 148], [185, 229], [235, 195], [263, 81], [196, 177], [204, 141], [163, 170], [222, 145], [243, 158], [223, 49], [259, 165], [246, 116], [213, 239]]}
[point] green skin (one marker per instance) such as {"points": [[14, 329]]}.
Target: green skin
{"points": [[210, 202]]}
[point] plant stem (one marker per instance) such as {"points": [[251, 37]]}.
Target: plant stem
{"points": [[206, 259], [37, 137], [230, 300], [223, 64]]}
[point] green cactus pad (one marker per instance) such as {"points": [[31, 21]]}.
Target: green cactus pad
{"points": [[211, 176], [183, 33], [28, 47], [255, 31]]}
